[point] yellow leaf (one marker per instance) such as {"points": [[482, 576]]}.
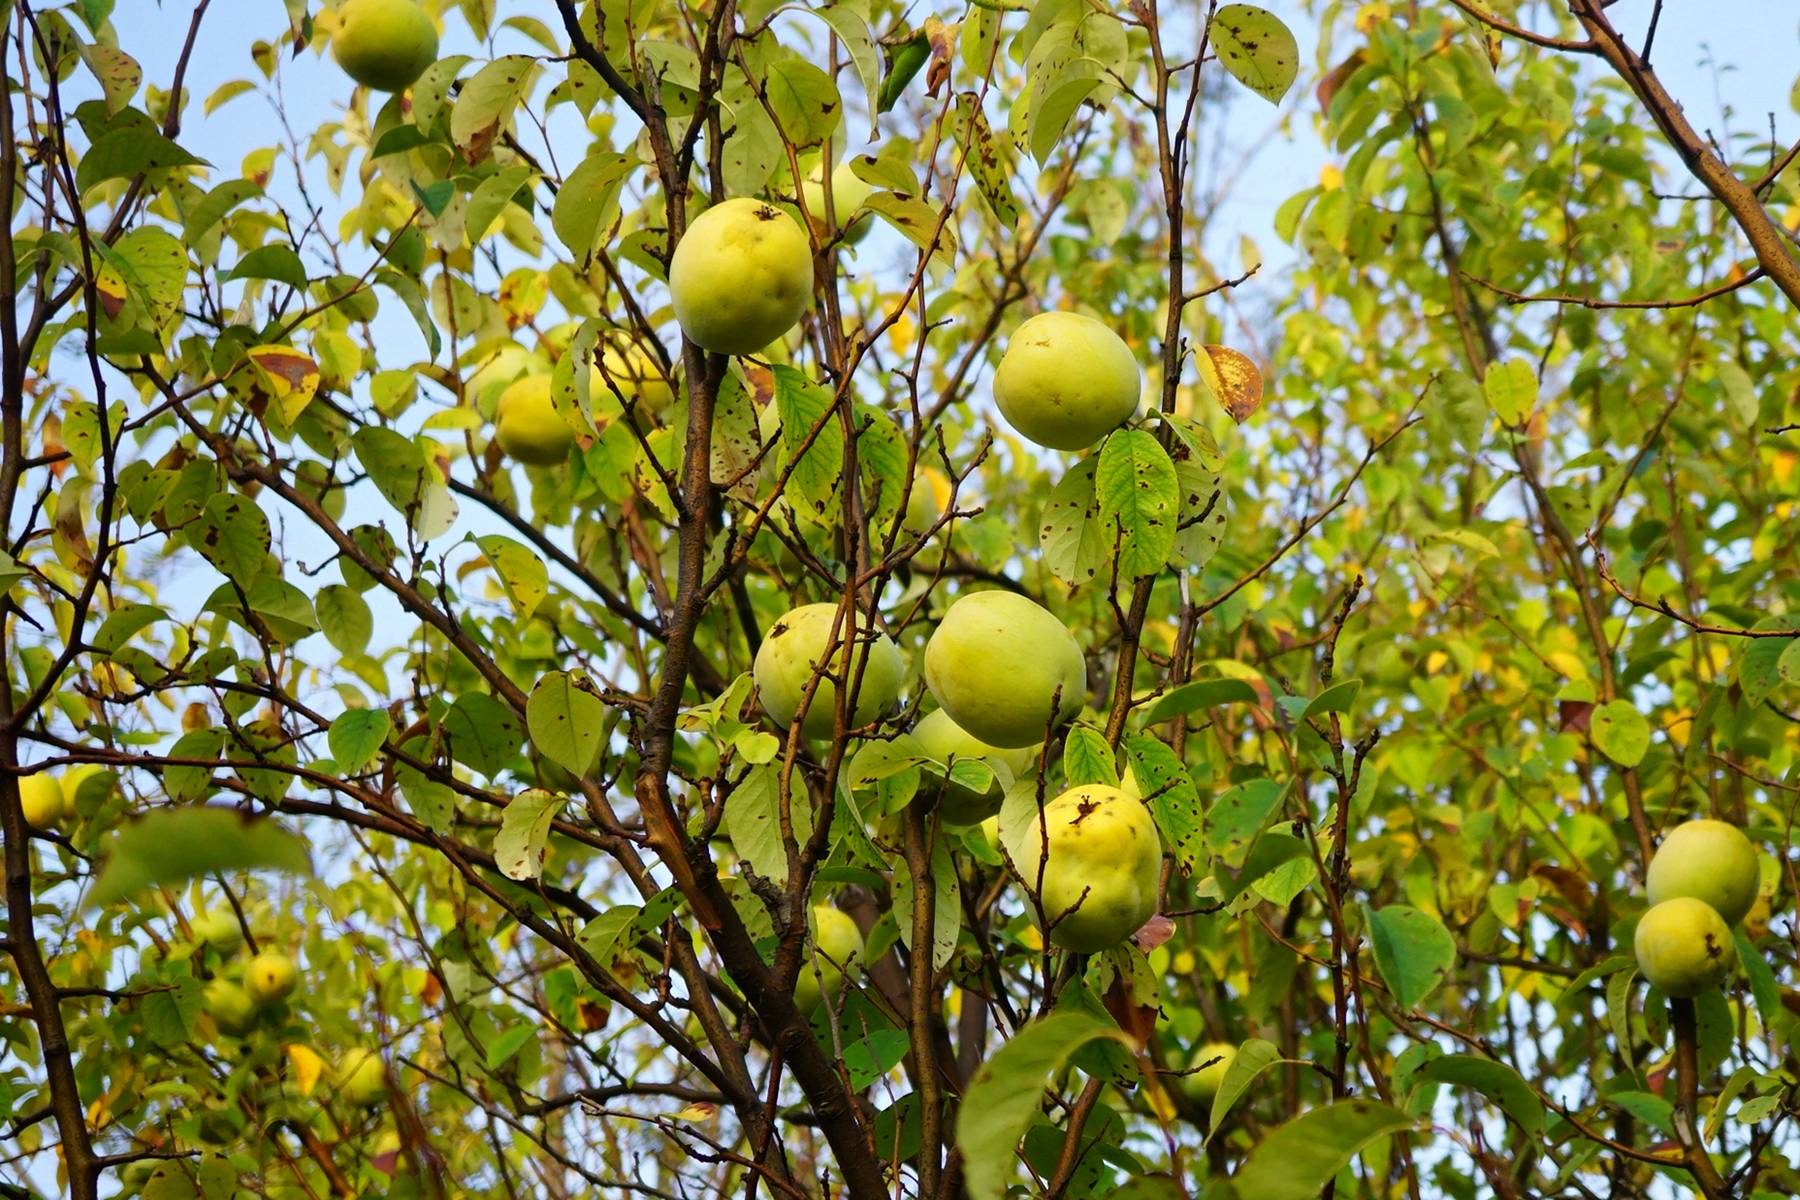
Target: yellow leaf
{"points": [[307, 1065], [700, 1110], [1331, 177], [291, 376], [1232, 378]]}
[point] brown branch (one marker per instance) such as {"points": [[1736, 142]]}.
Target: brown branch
{"points": [[1663, 607], [1712, 293]]}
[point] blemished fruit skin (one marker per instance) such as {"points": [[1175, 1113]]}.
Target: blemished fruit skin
{"points": [[792, 649], [1202, 1085], [270, 977], [1710, 861], [944, 740], [1684, 947], [384, 44], [997, 663], [839, 947], [361, 1078], [42, 798], [1100, 871], [230, 1007], [527, 425], [1066, 380], [848, 193], [741, 276], [218, 928]]}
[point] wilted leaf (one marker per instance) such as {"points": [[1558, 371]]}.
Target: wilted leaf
{"points": [[1232, 379]]}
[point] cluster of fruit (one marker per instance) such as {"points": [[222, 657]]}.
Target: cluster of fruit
{"points": [[1702, 881], [239, 998]]}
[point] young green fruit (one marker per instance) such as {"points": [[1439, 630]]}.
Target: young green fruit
{"points": [[218, 928], [230, 1007], [362, 1078], [741, 276], [527, 425], [837, 948], [41, 796], [946, 741], [1100, 865], [1684, 947], [1005, 669], [793, 649], [384, 44], [1207, 1071], [1710, 861], [848, 194], [1066, 380], [270, 977]]}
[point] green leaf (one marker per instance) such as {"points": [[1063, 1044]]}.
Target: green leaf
{"points": [[124, 623], [1087, 758], [525, 833], [274, 261], [753, 821], [168, 847], [1495, 1080], [486, 103], [154, 263], [588, 201], [1008, 1089], [189, 783], [904, 62], [1413, 951], [812, 488], [1257, 49], [490, 199], [401, 472], [1335, 699], [1621, 732], [233, 535], [1076, 546], [1759, 666], [1762, 983], [124, 153], [1137, 490], [1787, 666], [355, 735], [805, 102], [564, 716], [1239, 815], [918, 221], [1252, 1059], [483, 733], [521, 571], [1054, 102], [1174, 801], [345, 618], [1295, 1161], [1512, 390], [1203, 693]]}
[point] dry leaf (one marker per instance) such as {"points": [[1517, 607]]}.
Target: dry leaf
{"points": [[1234, 380]]}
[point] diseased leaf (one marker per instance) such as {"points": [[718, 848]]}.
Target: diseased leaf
{"points": [[564, 715], [1257, 48], [1232, 379], [524, 835], [1138, 494]]}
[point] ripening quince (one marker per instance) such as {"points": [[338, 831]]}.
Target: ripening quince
{"points": [[848, 194], [42, 798], [634, 372], [836, 949], [270, 977], [527, 425], [741, 276], [945, 740], [384, 44], [230, 1007], [1100, 861], [362, 1078], [1684, 947], [1206, 1072], [999, 664], [1066, 380], [793, 649], [1710, 861], [926, 503]]}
